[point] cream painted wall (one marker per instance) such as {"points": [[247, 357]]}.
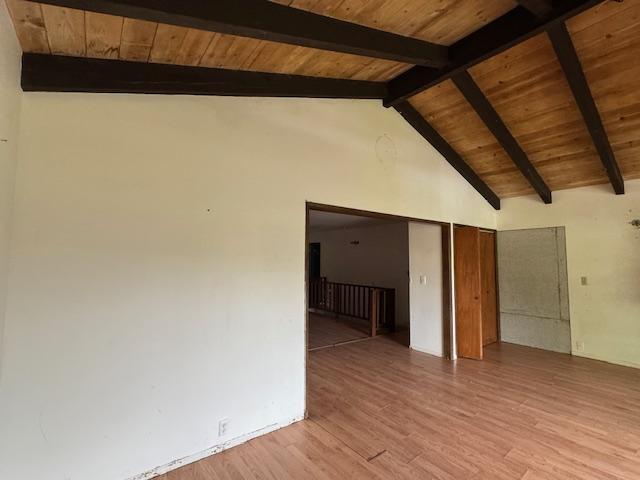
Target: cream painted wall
{"points": [[381, 259], [10, 94], [604, 247], [425, 260], [157, 279]]}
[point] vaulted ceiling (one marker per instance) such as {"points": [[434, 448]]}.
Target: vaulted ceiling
{"points": [[521, 97]]}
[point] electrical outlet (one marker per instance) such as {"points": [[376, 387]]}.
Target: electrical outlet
{"points": [[584, 281], [223, 427], [423, 279], [579, 346]]}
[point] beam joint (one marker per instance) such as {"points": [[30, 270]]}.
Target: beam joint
{"points": [[503, 33], [540, 8]]}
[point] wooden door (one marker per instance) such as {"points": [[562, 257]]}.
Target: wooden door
{"points": [[468, 292], [489, 297]]}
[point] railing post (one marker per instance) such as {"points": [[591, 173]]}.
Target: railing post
{"points": [[324, 291], [390, 311], [374, 310]]}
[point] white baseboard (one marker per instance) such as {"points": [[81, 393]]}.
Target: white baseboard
{"points": [[174, 465], [426, 350], [612, 361]]}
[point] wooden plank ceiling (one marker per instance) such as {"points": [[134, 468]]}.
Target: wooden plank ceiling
{"points": [[525, 85], [63, 31], [529, 91]]}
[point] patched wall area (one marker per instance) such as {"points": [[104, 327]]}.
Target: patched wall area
{"points": [[534, 292]]}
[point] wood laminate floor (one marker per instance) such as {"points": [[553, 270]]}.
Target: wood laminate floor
{"points": [[381, 411], [326, 331]]}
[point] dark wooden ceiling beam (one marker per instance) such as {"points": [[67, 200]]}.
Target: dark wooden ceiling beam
{"points": [[271, 21], [420, 124], [540, 8], [568, 58], [494, 123], [50, 73], [503, 33]]}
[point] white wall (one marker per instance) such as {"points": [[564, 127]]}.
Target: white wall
{"points": [[426, 288], [10, 94], [157, 280], [604, 247], [381, 259]]}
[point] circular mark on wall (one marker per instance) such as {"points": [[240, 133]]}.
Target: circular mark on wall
{"points": [[386, 151]]}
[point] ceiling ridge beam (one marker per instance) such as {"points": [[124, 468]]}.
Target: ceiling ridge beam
{"points": [[52, 73], [265, 20], [497, 127], [503, 33], [424, 128], [570, 62]]}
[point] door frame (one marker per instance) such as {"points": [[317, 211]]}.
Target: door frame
{"points": [[495, 248], [447, 291]]}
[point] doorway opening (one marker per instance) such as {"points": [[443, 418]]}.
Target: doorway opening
{"points": [[358, 285], [376, 278], [371, 274]]}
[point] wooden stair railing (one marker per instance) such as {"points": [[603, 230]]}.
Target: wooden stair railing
{"points": [[374, 304]]}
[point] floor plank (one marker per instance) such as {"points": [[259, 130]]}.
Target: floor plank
{"points": [[327, 331], [381, 411]]}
